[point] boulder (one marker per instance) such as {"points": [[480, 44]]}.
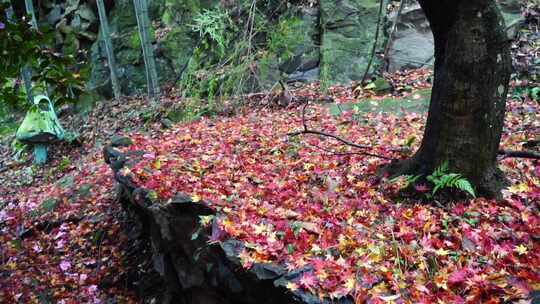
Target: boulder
{"points": [[347, 37], [411, 44]]}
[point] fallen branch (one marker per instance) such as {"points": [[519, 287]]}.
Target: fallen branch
{"points": [[532, 143], [520, 154], [344, 141], [306, 130], [349, 153]]}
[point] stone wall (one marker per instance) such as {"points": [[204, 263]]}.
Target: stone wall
{"points": [[195, 270]]}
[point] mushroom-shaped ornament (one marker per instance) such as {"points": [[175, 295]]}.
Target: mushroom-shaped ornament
{"points": [[40, 127]]}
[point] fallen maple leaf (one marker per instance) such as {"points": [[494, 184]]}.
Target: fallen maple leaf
{"points": [[521, 249], [458, 276]]}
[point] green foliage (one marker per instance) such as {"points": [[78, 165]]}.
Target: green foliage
{"points": [[232, 48], [211, 66], [535, 93], [521, 92], [17, 149], [442, 179], [284, 38], [211, 26], [47, 206], [64, 164], [52, 71]]}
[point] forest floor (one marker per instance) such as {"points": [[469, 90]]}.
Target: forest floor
{"points": [[62, 230], [65, 239]]}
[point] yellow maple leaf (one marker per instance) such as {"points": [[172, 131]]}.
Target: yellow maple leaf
{"points": [[518, 188], [258, 229], [521, 249], [308, 166], [442, 252], [350, 283], [291, 286], [205, 220], [195, 198]]}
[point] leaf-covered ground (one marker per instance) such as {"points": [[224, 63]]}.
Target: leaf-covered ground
{"points": [[61, 229], [311, 202], [300, 201]]}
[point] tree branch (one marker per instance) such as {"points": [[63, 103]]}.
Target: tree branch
{"points": [[520, 154]]}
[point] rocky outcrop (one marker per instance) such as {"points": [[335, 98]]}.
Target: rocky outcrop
{"points": [[334, 38], [411, 44], [348, 33], [195, 270], [322, 40]]}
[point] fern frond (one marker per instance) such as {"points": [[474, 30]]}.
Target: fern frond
{"points": [[464, 185], [441, 170]]}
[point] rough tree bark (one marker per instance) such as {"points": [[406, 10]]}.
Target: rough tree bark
{"points": [[466, 113]]}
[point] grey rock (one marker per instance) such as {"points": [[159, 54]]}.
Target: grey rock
{"points": [[412, 42], [411, 45], [121, 141]]}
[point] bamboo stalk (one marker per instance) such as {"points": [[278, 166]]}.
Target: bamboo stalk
{"points": [[402, 4], [26, 71], [108, 48], [143, 24], [9, 11], [30, 11], [152, 61]]}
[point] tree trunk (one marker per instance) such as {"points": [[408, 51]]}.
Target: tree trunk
{"points": [[466, 113]]}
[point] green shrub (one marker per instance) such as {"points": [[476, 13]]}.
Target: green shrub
{"points": [[53, 72]]}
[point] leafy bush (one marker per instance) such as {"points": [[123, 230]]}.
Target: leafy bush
{"points": [[284, 38], [231, 45], [211, 26], [23, 46]]}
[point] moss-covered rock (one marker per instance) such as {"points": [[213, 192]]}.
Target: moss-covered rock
{"points": [[348, 33], [177, 46]]}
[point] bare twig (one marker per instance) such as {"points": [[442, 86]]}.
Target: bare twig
{"points": [[520, 154], [349, 153], [391, 35], [344, 141], [374, 43], [532, 143], [306, 130]]}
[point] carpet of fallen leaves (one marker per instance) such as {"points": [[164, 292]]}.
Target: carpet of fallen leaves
{"points": [[61, 228], [311, 202], [305, 202]]}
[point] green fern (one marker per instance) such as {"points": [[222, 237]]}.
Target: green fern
{"points": [[441, 179], [464, 185]]}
